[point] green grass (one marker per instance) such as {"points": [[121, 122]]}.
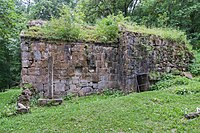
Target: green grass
{"points": [[154, 111], [165, 33], [8, 97]]}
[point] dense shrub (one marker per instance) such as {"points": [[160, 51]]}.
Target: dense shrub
{"points": [[107, 29], [170, 80], [195, 66], [178, 85], [63, 28]]}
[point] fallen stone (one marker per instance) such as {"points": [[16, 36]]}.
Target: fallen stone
{"points": [[188, 75], [53, 101], [22, 110], [84, 91]]}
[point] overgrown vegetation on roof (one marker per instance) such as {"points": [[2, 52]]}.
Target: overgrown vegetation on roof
{"points": [[71, 27], [165, 33]]}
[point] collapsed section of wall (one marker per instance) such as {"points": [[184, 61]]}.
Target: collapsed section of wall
{"points": [[85, 68]]}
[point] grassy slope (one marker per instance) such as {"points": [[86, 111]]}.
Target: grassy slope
{"points": [[8, 96], [155, 111]]}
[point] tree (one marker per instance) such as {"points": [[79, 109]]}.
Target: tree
{"points": [[46, 9], [9, 44], [7, 24], [94, 9]]}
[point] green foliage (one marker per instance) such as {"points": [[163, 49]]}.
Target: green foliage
{"points": [[178, 85], [96, 9], [113, 93], [63, 28], [184, 15], [69, 97], [155, 76], [47, 9], [9, 44], [170, 80], [107, 29], [71, 27], [195, 66], [34, 100]]}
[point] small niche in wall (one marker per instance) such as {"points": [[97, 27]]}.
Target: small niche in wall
{"points": [[142, 82], [78, 69], [91, 63], [92, 69]]}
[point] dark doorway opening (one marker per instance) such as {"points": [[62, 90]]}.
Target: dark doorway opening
{"points": [[142, 82]]}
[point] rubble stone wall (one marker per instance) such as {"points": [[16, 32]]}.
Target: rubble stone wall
{"points": [[142, 54], [86, 68], [82, 68]]}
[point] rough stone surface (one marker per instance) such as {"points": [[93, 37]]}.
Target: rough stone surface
{"points": [[86, 68]]}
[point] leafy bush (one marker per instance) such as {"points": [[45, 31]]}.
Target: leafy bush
{"points": [[107, 29], [178, 85], [112, 92], [195, 66], [69, 96], [170, 80], [63, 28]]}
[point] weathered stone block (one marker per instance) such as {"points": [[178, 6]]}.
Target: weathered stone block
{"points": [[42, 79], [98, 64], [73, 88], [85, 70], [83, 83], [70, 71], [37, 55], [59, 87], [95, 85], [103, 71], [85, 91], [102, 84], [34, 71], [41, 46], [25, 63], [95, 77], [25, 55], [104, 78], [24, 71], [24, 46], [75, 80], [113, 77], [28, 79]]}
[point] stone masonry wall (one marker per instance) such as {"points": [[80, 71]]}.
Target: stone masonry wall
{"points": [[81, 68], [86, 68], [151, 55]]}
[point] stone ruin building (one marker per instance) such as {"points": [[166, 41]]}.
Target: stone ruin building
{"points": [[60, 68]]}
